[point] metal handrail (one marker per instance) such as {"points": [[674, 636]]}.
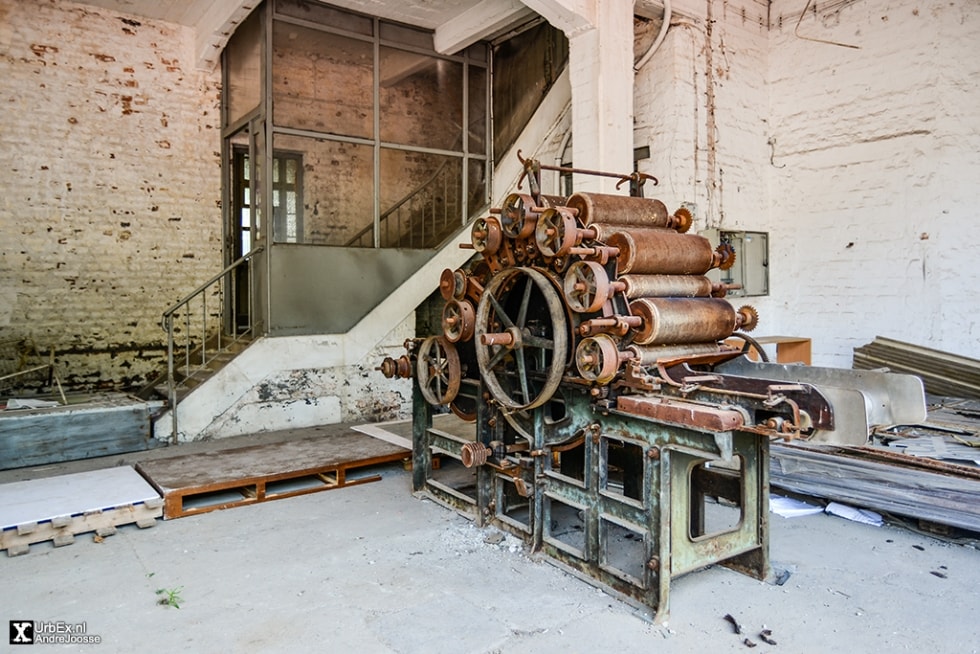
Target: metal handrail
{"points": [[167, 323], [398, 205]]}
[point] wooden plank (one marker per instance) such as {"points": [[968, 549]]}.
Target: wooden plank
{"points": [[382, 432], [399, 432]]}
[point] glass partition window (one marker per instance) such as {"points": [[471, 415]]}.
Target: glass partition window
{"points": [[243, 63], [377, 140], [421, 197], [322, 82], [333, 204], [421, 100]]}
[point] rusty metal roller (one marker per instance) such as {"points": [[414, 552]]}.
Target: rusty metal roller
{"points": [[638, 286], [668, 321], [619, 210], [649, 355], [662, 252]]}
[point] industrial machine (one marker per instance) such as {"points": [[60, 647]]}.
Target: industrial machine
{"points": [[618, 428]]}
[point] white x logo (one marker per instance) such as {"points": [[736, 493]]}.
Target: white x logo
{"points": [[21, 628]]}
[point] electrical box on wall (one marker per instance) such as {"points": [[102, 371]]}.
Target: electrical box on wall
{"points": [[751, 268]]}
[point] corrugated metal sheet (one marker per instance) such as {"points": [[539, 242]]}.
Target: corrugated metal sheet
{"points": [[942, 373]]}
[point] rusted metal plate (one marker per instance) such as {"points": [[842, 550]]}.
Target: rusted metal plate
{"points": [[696, 416], [806, 396]]}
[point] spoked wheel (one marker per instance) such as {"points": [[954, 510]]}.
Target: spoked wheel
{"points": [[586, 286], [438, 370], [458, 318], [597, 358], [555, 233], [523, 345]]}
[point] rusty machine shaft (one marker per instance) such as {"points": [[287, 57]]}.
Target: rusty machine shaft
{"points": [[587, 347]]}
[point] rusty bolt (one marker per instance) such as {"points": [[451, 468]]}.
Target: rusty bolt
{"points": [[654, 453], [492, 422], [654, 563]]}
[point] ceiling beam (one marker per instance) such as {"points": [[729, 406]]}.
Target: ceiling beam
{"points": [[216, 25], [480, 21], [570, 16]]}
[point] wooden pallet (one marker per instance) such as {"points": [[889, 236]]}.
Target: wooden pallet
{"points": [[198, 483], [60, 508]]}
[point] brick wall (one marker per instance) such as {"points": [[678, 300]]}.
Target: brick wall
{"points": [[109, 197], [861, 163], [876, 158]]}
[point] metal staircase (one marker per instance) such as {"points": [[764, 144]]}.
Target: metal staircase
{"points": [[199, 342]]}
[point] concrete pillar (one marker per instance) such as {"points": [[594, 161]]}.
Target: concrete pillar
{"points": [[600, 36]]}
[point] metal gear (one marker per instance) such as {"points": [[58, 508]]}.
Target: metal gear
{"points": [[683, 220], [748, 318], [727, 252]]}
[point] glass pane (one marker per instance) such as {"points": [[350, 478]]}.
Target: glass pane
{"points": [[290, 171], [406, 35], [322, 82], [292, 218], [477, 52], [335, 205], [477, 191], [478, 110], [421, 100], [246, 242], [315, 12], [421, 198], [243, 61], [246, 218]]}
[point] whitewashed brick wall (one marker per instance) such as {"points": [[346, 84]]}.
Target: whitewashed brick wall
{"points": [[875, 198], [861, 163], [110, 184]]}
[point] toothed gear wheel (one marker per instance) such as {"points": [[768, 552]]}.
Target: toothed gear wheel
{"points": [[684, 220], [727, 252], [749, 316]]}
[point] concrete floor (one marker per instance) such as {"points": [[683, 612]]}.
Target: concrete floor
{"points": [[373, 569]]}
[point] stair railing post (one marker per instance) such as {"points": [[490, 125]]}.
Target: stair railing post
{"points": [[251, 296], [187, 339], [204, 329], [171, 382]]}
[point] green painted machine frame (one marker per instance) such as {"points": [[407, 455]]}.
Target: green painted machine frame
{"points": [[620, 500]]}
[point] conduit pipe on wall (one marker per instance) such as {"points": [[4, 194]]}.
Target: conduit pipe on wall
{"points": [[656, 43]]}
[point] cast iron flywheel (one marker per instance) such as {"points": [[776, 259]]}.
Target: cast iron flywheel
{"points": [[522, 338]]}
